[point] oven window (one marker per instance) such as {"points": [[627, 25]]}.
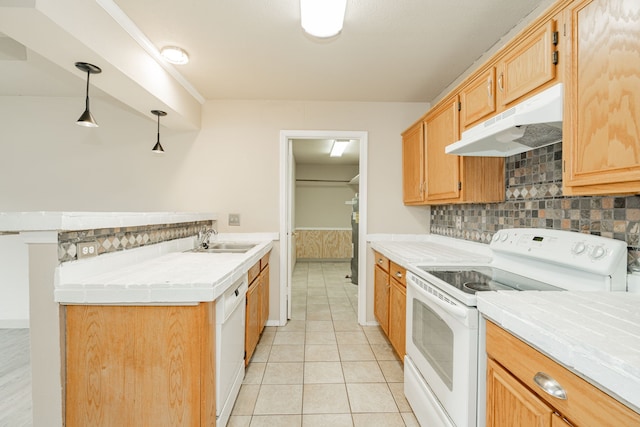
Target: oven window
{"points": [[434, 339]]}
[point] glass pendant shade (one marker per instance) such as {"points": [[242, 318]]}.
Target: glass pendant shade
{"points": [[86, 119]]}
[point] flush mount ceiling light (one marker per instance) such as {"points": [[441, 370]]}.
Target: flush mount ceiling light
{"points": [[339, 145], [86, 119], [322, 18], [175, 55], [158, 148]]}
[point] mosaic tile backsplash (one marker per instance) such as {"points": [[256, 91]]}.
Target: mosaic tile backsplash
{"points": [[534, 199], [119, 239]]}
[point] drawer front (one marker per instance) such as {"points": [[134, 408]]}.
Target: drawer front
{"points": [[264, 261], [584, 405], [253, 272], [398, 273], [381, 261]]}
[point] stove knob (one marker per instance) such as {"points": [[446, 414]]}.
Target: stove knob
{"points": [[496, 236], [504, 237], [578, 248], [597, 252]]}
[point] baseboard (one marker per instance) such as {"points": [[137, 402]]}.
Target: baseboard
{"points": [[14, 323]]}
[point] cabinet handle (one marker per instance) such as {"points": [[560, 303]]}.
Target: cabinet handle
{"points": [[550, 386], [500, 85], [489, 86]]}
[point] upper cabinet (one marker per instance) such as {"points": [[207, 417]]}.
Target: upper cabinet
{"points": [[413, 179], [478, 99], [430, 176], [601, 129], [529, 63]]}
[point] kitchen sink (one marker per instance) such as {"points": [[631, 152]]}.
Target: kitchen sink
{"points": [[226, 247]]}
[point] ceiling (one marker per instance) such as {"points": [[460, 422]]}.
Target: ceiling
{"points": [[388, 51]]}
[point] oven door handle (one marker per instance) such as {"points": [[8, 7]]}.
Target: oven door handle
{"points": [[449, 308]]}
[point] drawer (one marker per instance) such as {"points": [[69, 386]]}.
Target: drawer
{"points": [[381, 261], [253, 272], [398, 273], [264, 261], [585, 404]]}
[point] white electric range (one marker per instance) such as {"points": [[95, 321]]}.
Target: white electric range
{"points": [[445, 362]]}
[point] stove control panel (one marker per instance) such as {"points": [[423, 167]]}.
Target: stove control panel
{"points": [[586, 252]]}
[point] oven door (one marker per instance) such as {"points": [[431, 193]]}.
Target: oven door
{"points": [[442, 343]]}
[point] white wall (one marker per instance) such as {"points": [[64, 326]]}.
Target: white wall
{"points": [[14, 282], [321, 204], [230, 166]]}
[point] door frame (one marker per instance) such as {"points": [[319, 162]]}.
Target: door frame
{"points": [[285, 205]]}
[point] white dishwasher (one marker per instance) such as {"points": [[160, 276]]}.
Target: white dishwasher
{"points": [[230, 326]]}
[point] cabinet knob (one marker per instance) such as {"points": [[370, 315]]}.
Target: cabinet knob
{"points": [[398, 275], [550, 386], [379, 260]]}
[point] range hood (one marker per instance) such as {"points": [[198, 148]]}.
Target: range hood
{"points": [[533, 123]]}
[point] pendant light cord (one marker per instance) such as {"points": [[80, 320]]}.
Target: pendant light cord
{"points": [[87, 99]]}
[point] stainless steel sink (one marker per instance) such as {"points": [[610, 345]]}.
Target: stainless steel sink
{"points": [[226, 247]]}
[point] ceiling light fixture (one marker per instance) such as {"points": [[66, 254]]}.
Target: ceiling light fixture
{"points": [[339, 145], [175, 55], [86, 119], [322, 18], [158, 148]]}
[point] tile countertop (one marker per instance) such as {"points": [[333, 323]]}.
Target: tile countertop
{"points": [[595, 335], [406, 250], [173, 278]]}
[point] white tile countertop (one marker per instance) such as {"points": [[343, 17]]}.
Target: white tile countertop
{"points": [[158, 274], [430, 249], [595, 335]]}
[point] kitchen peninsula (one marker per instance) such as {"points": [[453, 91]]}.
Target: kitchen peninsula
{"points": [[152, 300]]}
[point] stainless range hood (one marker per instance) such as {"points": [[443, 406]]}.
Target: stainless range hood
{"points": [[534, 123]]}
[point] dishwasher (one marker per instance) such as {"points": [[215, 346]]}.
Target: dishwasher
{"points": [[230, 326]]}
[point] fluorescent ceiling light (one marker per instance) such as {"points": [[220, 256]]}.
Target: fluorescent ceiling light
{"points": [[322, 18], [175, 55], [339, 145]]}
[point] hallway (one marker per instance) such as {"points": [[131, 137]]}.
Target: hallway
{"points": [[322, 368]]}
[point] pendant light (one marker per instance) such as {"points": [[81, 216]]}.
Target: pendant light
{"points": [[86, 119], [158, 148]]}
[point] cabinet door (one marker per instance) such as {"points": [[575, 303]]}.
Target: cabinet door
{"points": [[509, 403], [397, 316], [140, 366], [601, 146], [530, 64], [264, 299], [413, 165], [252, 327], [443, 170], [477, 99], [381, 298]]}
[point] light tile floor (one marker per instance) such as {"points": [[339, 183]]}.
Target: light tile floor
{"points": [[322, 368]]}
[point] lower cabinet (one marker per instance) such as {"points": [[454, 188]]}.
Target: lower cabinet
{"points": [[520, 380], [140, 365], [390, 300], [381, 291], [257, 305], [397, 316]]}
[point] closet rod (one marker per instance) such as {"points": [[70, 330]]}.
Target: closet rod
{"points": [[320, 180]]}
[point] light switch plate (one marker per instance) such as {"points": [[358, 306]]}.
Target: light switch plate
{"points": [[234, 219]]}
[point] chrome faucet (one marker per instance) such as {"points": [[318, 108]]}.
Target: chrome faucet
{"points": [[204, 235]]}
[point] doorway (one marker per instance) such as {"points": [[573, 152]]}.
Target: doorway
{"points": [[287, 211]]}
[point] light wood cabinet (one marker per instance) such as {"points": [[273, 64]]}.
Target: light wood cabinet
{"points": [[397, 308], [455, 179], [478, 99], [601, 129], [140, 366], [529, 64], [514, 397], [413, 177], [257, 309], [381, 291]]}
